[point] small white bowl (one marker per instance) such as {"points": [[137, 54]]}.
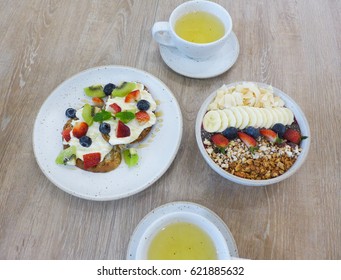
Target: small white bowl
{"points": [[300, 118], [175, 212]]}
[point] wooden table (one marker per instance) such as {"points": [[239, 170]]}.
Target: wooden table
{"points": [[293, 45]]}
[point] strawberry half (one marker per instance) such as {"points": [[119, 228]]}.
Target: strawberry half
{"points": [[132, 96], [80, 129], [122, 130], [248, 140], [270, 135], [91, 160], [66, 134], [98, 101], [115, 107], [142, 117], [293, 136], [220, 140]]}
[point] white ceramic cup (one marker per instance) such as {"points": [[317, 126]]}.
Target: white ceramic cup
{"points": [[163, 32]]}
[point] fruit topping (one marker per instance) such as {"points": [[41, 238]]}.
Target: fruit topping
{"points": [[115, 107], [125, 116], [122, 130], [66, 155], [142, 117], [293, 136], [80, 129], [85, 141], [220, 140], [212, 121], [108, 88], [252, 131], [98, 101], [91, 160], [123, 89], [270, 135], [102, 116], [248, 140], [279, 129], [94, 91], [143, 105], [66, 134], [87, 114], [104, 128], [230, 133], [70, 113], [132, 96], [130, 157]]}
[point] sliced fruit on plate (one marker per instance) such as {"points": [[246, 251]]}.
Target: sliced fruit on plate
{"points": [[80, 129], [94, 91], [212, 121], [115, 107], [245, 117], [66, 155], [98, 101], [271, 135], [220, 140], [142, 117], [131, 157], [91, 160], [123, 89], [249, 141], [293, 136], [132, 96], [87, 114], [66, 134], [122, 130], [224, 121]]}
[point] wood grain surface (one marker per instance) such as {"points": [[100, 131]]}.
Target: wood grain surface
{"points": [[295, 45]]}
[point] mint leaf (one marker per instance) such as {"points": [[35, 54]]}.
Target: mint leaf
{"points": [[125, 116], [102, 116]]}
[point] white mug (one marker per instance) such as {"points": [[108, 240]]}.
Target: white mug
{"points": [[163, 32]]}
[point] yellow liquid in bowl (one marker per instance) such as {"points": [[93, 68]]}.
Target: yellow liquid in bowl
{"points": [[182, 241], [199, 27]]}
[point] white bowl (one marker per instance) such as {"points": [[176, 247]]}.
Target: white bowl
{"points": [[180, 211], [300, 118]]}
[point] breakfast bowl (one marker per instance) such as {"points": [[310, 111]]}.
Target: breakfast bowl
{"points": [[252, 134], [181, 231]]}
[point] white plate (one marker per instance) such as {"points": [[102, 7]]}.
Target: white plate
{"points": [[300, 118], [175, 212], [156, 153], [219, 63]]}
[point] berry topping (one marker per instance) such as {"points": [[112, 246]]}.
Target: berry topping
{"points": [[70, 113], [220, 140], [122, 130], [252, 131], [98, 101], [142, 117], [248, 140], [143, 105], [85, 141], [132, 96], [293, 136], [104, 128], [230, 133], [279, 129], [115, 107], [270, 135], [66, 134], [91, 160], [108, 88], [80, 129]]}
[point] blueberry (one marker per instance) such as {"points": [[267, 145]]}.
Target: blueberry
{"points": [[104, 128], [108, 88], [279, 129], [143, 105], [252, 131], [85, 141], [70, 113], [230, 133]]}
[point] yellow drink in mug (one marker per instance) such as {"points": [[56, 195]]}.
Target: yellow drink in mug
{"points": [[199, 27]]}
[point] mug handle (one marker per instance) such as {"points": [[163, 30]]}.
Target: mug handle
{"points": [[161, 33]]}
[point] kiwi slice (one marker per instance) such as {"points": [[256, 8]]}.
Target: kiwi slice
{"points": [[130, 157], [123, 89], [66, 155], [94, 91], [87, 114]]}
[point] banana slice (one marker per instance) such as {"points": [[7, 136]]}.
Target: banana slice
{"points": [[290, 115], [245, 117], [269, 118], [274, 116], [259, 117], [231, 118], [280, 117], [284, 116], [212, 121], [264, 116], [252, 116], [224, 121], [238, 116]]}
